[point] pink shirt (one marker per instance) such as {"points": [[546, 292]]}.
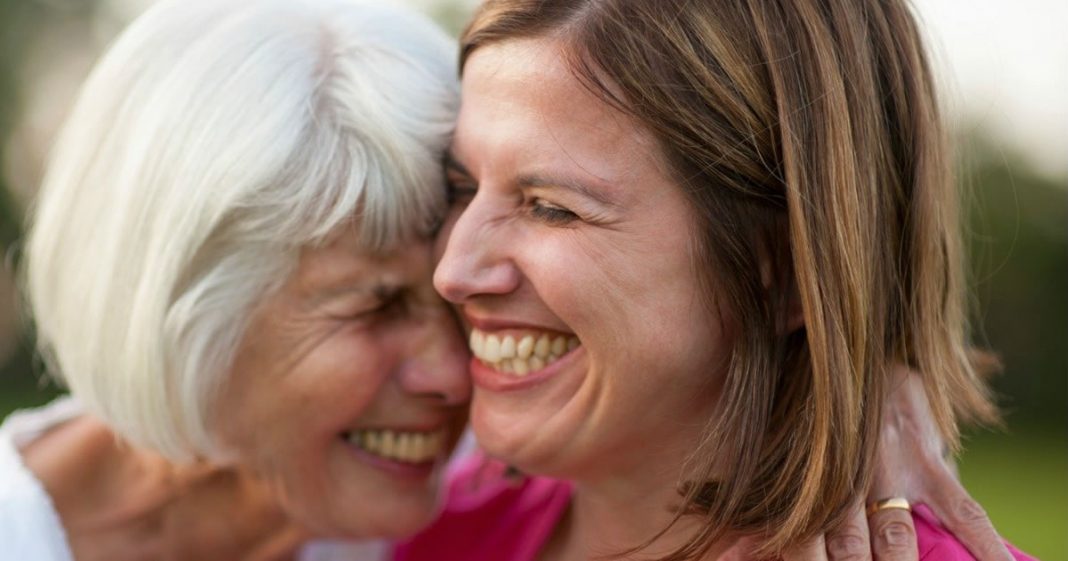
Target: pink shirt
{"points": [[488, 517]]}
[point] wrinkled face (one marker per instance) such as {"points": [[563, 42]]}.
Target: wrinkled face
{"points": [[349, 390], [569, 253]]}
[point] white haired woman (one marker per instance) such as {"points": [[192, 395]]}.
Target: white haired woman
{"points": [[229, 266]]}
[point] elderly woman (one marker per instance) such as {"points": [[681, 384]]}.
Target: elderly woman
{"points": [[229, 265], [692, 240]]}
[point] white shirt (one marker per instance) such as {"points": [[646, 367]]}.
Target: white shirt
{"points": [[29, 525]]}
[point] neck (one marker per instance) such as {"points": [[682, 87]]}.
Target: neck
{"points": [[627, 509]]}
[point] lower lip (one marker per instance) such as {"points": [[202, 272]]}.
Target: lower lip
{"points": [[402, 470], [496, 381]]}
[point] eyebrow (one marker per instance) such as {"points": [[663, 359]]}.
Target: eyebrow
{"points": [[379, 291], [534, 180], [567, 183]]}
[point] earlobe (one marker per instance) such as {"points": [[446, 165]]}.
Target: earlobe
{"points": [[789, 312], [794, 318]]}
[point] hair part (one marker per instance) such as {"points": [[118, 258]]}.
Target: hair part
{"points": [[807, 135], [213, 141]]}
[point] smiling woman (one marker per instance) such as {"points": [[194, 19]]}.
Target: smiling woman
{"points": [[229, 267], [612, 271], [735, 223]]}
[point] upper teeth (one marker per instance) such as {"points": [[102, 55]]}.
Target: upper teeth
{"points": [[411, 447], [520, 355]]}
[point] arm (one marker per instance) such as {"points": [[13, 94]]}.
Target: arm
{"points": [[116, 501]]}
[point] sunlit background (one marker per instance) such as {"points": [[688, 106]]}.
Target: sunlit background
{"points": [[1004, 73]]}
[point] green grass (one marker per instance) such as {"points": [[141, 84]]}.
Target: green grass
{"points": [[1021, 478]]}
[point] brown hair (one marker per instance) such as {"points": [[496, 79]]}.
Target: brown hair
{"points": [[806, 133]]}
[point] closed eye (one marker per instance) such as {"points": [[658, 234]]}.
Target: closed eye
{"points": [[550, 213]]}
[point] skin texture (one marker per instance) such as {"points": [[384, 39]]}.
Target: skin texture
{"points": [[350, 341], [610, 262]]}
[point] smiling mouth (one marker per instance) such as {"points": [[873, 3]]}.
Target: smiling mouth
{"points": [[520, 353], [401, 446]]}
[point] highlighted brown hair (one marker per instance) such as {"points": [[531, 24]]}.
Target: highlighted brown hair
{"points": [[807, 135]]}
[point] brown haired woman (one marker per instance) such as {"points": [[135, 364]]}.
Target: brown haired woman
{"points": [[692, 239]]}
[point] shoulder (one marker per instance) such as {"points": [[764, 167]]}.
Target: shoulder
{"points": [[488, 515], [936, 543], [76, 460]]}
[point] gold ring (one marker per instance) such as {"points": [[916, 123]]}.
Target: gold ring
{"points": [[892, 502]]}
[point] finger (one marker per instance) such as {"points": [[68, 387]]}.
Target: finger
{"points": [[965, 517], [850, 541], [812, 550], [893, 535]]}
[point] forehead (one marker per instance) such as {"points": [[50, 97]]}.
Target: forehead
{"points": [[523, 106], [343, 261]]}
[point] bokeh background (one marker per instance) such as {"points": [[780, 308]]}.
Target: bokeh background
{"points": [[1004, 73]]}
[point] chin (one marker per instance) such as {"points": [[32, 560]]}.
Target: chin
{"points": [[402, 520], [501, 436], [374, 520]]}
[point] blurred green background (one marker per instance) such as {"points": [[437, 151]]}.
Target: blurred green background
{"points": [[1018, 236]]}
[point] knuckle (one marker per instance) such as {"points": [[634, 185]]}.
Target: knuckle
{"points": [[970, 513], [895, 539], [850, 545], [990, 549]]}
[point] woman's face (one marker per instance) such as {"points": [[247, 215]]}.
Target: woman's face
{"points": [[570, 254], [349, 390]]}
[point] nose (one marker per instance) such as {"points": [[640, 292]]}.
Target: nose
{"points": [[474, 260], [437, 366]]}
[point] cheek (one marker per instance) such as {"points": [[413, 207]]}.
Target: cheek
{"points": [[297, 411], [338, 381], [637, 305], [620, 290]]}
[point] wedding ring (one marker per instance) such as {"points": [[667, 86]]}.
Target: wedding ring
{"points": [[893, 502]]}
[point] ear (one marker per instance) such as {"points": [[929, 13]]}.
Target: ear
{"points": [[781, 286]]}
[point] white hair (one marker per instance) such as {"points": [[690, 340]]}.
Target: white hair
{"points": [[211, 143]]}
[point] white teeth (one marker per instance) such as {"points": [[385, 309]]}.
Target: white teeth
{"points": [[520, 355], [408, 447], [491, 351], [542, 347], [525, 348], [508, 347], [388, 445], [477, 342]]}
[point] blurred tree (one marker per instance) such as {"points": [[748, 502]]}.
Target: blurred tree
{"points": [[20, 22], [1019, 247]]}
